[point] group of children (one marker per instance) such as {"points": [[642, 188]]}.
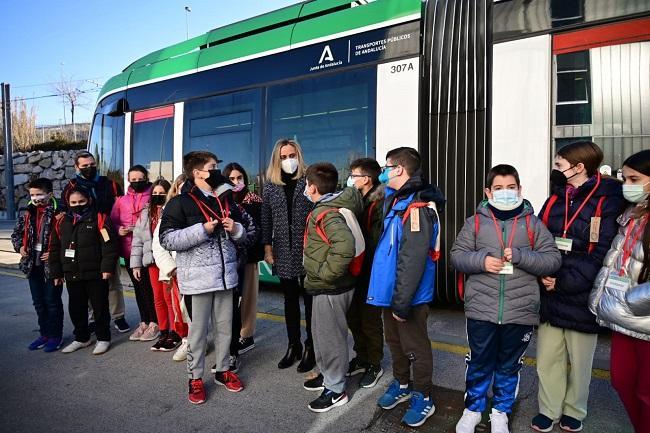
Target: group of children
{"points": [[369, 253]]}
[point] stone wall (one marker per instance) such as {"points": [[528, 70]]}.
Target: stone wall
{"points": [[57, 165]]}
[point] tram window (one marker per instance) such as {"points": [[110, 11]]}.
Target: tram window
{"points": [[332, 117], [227, 125], [573, 102], [153, 141], [107, 144]]}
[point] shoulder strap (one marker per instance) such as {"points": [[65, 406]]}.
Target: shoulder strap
{"points": [[26, 229], [531, 234], [477, 227], [414, 205], [319, 224], [547, 211], [371, 211], [114, 188], [101, 219]]}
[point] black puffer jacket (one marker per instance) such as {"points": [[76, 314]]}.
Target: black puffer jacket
{"points": [[93, 255], [567, 305]]}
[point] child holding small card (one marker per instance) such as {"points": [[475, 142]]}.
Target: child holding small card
{"points": [[502, 249], [84, 252], [581, 214]]}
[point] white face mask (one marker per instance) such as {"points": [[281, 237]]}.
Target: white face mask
{"points": [[290, 165], [634, 193], [506, 199], [39, 199], [350, 182]]}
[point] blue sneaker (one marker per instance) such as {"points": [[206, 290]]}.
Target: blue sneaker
{"points": [[53, 344], [394, 395], [419, 410], [39, 343]]}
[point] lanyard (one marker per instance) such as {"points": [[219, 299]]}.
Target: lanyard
{"points": [[136, 207], [206, 210], [500, 233], [629, 246], [568, 222]]}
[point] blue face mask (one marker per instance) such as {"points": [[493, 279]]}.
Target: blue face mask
{"points": [[506, 199], [383, 176], [350, 182], [307, 195]]}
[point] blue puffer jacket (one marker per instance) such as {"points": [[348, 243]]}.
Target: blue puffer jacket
{"points": [[403, 270], [567, 306]]}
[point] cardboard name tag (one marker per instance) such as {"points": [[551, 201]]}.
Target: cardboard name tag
{"points": [[594, 229], [105, 235], [415, 221]]}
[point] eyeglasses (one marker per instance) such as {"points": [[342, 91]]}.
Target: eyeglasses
{"points": [[389, 166], [359, 175]]}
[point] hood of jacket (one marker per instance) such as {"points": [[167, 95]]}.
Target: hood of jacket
{"points": [[417, 185], [349, 198], [484, 209]]}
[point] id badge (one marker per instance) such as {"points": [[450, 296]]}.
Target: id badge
{"points": [[69, 253], [508, 269], [618, 283], [39, 247], [564, 244]]}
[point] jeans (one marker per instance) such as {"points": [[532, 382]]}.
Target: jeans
{"points": [[47, 303]]}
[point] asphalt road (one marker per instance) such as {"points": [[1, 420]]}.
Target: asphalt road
{"points": [[131, 389]]}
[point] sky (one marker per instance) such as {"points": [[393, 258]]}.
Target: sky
{"points": [[92, 40]]}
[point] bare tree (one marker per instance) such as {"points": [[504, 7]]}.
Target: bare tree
{"points": [[23, 126], [72, 93]]}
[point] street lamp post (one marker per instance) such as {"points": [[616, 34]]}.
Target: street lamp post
{"points": [[187, 22]]}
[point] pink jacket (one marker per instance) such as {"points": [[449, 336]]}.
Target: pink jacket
{"points": [[125, 213]]}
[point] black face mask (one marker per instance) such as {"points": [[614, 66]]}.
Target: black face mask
{"points": [[88, 172], [158, 200], [215, 179], [140, 185], [559, 179], [80, 209]]}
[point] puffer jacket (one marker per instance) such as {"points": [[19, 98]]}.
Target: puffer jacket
{"points": [[125, 213], [504, 299], [205, 263], [165, 260], [327, 266], [626, 312], [27, 222], [141, 254], [404, 266], [372, 224], [567, 306]]}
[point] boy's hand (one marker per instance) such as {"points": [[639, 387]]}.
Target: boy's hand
{"points": [[507, 254], [59, 281], [228, 224], [493, 265], [106, 275], [210, 226], [549, 283], [268, 255], [137, 273], [45, 256], [399, 319], [23, 251], [124, 231]]}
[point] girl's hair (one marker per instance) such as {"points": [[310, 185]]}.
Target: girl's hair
{"points": [[175, 188], [274, 170], [584, 152], [235, 166], [153, 209], [640, 162], [141, 169]]}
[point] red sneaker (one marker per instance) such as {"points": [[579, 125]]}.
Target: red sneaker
{"points": [[228, 379], [197, 391]]}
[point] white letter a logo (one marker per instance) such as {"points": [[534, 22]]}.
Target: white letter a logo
{"points": [[327, 55]]}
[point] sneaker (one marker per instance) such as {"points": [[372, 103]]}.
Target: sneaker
{"points": [[101, 347], [420, 409], [181, 352], [233, 363], [121, 325], [499, 422], [569, 423], [197, 391], [246, 344], [169, 344], [371, 376], [356, 367], [213, 369], [542, 423], [327, 401], [394, 395], [468, 422], [91, 327], [228, 379], [162, 339], [76, 345], [151, 333], [39, 343], [137, 334], [315, 384], [53, 344]]}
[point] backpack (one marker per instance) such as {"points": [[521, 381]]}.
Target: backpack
{"points": [[477, 227], [356, 264]]}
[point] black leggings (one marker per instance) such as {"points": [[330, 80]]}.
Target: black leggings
{"points": [[293, 288], [143, 294]]}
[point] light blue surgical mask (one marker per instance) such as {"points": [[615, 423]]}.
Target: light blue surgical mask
{"points": [[350, 182], [506, 199], [383, 176], [307, 195], [634, 193]]}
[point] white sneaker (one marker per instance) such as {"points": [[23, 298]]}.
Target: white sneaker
{"points": [[468, 422], [76, 345], [499, 422], [151, 333], [101, 347], [181, 352], [137, 334]]}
